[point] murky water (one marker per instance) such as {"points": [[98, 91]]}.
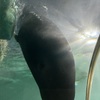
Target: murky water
{"points": [[17, 83], [79, 20]]}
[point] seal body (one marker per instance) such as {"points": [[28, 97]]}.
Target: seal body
{"points": [[48, 56]]}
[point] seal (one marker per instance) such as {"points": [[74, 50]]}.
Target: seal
{"points": [[48, 56]]}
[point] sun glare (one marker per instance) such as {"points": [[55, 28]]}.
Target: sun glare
{"points": [[91, 34]]}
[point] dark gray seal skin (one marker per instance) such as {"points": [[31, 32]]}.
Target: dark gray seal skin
{"points": [[48, 56]]}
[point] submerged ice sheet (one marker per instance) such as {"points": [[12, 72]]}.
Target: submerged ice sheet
{"points": [[7, 18]]}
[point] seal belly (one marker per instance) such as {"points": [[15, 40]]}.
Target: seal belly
{"points": [[49, 58]]}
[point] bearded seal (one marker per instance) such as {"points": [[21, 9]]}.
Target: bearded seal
{"points": [[48, 56]]}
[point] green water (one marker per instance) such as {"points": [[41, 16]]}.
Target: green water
{"points": [[17, 83]]}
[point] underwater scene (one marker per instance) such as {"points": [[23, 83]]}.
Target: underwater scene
{"points": [[79, 21]]}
